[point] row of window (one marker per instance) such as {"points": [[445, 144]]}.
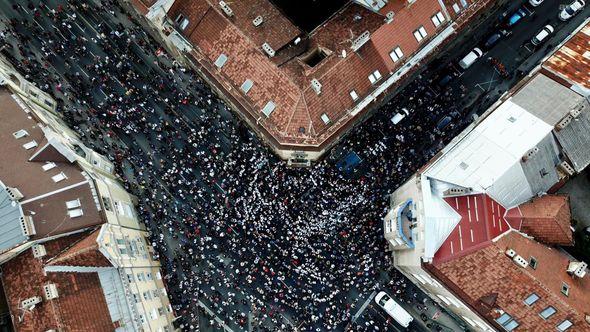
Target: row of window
{"points": [[509, 323], [141, 276]]}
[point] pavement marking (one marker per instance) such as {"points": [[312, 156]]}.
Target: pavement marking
{"points": [[364, 306]]}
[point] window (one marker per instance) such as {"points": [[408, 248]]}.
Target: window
{"points": [[456, 8], [325, 118], [247, 85], [30, 145], [73, 204], [130, 277], [438, 19], [531, 299], [20, 134], [155, 293], [268, 108], [48, 165], [564, 326], [154, 314], [181, 21], [507, 322], [122, 250], [396, 54], [161, 311], [142, 319], [547, 312], [147, 296], [374, 77], [565, 289], [420, 33], [148, 276], [354, 95], [75, 213], [533, 263], [107, 203], [135, 298], [221, 60], [59, 177], [140, 277]]}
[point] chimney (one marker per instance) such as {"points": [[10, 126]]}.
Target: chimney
{"points": [[577, 269]]}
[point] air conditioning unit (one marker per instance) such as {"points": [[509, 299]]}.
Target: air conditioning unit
{"points": [[565, 167], [258, 21], [530, 153], [268, 50], [226, 9], [26, 225], [50, 291], [29, 304], [510, 253], [577, 268], [564, 122], [13, 193], [316, 86], [39, 250], [520, 261]]}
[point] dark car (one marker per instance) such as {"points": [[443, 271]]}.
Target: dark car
{"points": [[443, 123], [516, 17]]}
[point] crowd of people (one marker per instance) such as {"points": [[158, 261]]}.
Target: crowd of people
{"points": [[236, 230]]}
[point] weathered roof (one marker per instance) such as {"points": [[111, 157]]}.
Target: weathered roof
{"points": [[488, 280], [83, 253], [44, 198], [81, 305], [11, 233], [575, 139], [546, 218], [572, 61]]}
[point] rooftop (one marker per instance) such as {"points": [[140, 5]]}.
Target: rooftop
{"points": [[572, 61], [309, 14], [305, 92], [493, 284], [44, 176], [80, 306]]}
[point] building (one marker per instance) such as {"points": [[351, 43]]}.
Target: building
{"points": [[302, 88], [74, 254], [478, 229]]}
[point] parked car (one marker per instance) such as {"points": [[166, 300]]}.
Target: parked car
{"points": [[393, 309], [444, 123], [535, 3], [571, 10], [542, 35], [470, 58], [516, 17], [494, 38], [399, 116]]}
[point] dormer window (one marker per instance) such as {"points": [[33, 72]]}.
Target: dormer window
{"points": [[75, 213], [73, 204], [59, 177], [48, 165], [30, 145], [20, 134]]}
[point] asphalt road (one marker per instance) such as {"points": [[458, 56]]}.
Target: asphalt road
{"points": [[228, 166]]}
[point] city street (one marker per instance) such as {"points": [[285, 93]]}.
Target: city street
{"points": [[247, 243]]}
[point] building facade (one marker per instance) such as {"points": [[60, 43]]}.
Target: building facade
{"points": [[71, 237]]}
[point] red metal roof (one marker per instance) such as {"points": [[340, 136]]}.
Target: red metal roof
{"points": [[482, 219]]}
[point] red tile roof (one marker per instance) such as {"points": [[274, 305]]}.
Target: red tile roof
{"points": [[83, 253], [574, 51], [487, 280], [286, 79], [482, 219], [81, 305], [546, 218]]}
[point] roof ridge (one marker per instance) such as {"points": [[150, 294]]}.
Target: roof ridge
{"points": [[57, 257]]}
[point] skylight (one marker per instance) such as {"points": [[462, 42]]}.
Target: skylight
{"points": [[75, 213], [20, 134], [30, 145], [73, 204], [59, 177], [49, 165]]}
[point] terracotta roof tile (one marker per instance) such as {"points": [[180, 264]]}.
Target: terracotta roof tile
{"points": [[81, 305], [488, 272], [83, 253], [546, 218]]}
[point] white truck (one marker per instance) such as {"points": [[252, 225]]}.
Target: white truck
{"points": [[393, 309]]}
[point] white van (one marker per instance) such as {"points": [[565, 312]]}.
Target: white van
{"points": [[393, 309], [400, 116], [542, 35], [470, 58]]}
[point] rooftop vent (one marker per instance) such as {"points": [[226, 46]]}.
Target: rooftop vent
{"points": [[226, 9], [50, 291], [316, 86], [26, 225], [577, 269], [565, 167], [268, 50], [457, 191], [577, 111], [530, 153], [564, 122], [14, 194], [520, 261], [20, 134], [389, 17], [258, 21], [29, 304], [360, 40], [39, 250], [510, 253]]}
